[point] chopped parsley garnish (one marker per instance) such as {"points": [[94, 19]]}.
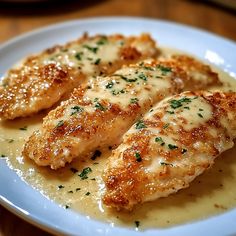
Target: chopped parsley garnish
{"points": [[170, 112], [115, 92], [85, 172], [92, 49], [187, 108], [164, 69], [200, 115], [77, 189], [179, 103], [99, 106], [148, 68], [140, 125], [134, 100], [10, 140], [78, 56], [166, 126], [183, 150], [23, 128], [171, 146], [102, 41], [74, 170], [109, 85], [76, 109], [96, 154], [93, 179], [2, 155], [200, 109], [137, 223], [61, 186], [70, 191], [138, 157], [60, 123], [125, 78], [97, 61], [66, 206], [142, 76], [88, 193], [166, 164], [159, 139]]}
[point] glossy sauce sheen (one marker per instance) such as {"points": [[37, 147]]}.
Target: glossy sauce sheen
{"points": [[209, 194]]}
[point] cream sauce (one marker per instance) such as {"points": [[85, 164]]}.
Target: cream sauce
{"points": [[209, 194]]}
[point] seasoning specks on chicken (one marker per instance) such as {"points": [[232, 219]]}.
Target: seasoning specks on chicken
{"points": [[159, 159], [103, 111], [42, 80]]}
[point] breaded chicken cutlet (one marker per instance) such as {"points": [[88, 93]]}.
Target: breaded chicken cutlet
{"points": [[102, 112], [176, 141], [42, 80]]}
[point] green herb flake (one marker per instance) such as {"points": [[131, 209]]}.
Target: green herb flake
{"points": [[140, 125], [138, 157], [67, 207], [93, 179], [60, 123], [85, 172], [142, 76], [10, 140], [77, 189], [23, 128], [97, 62], [87, 194], [164, 69], [137, 223], [170, 112], [76, 109], [200, 109], [102, 41], [70, 191], [171, 146], [92, 49], [78, 56], [166, 164], [73, 170], [2, 155], [61, 186], [109, 85], [159, 139], [187, 108], [96, 154], [179, 103], [200, 115], [166, 126], [184, 150], [134, 100], [125, 78], [99, 106]]}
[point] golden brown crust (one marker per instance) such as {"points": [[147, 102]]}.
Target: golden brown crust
{"points": [[43, 79], [165, 168]]}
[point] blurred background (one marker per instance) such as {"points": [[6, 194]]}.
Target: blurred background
{"points": [[20, 16]]}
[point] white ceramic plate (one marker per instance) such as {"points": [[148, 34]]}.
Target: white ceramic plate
{"points": [[28, 203]]}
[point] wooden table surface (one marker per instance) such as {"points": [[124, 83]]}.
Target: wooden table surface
{"points": [[18, 18]]}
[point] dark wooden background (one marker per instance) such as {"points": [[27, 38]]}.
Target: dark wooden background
{"points": [[18, 18]]}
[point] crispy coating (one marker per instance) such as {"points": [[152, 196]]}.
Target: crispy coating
{"points": [[179, 139], [41, 80], [101, 113]]}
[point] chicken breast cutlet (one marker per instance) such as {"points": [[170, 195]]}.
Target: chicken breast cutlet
{"points": [[101, 113], [41, 80], [176, 141]]}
